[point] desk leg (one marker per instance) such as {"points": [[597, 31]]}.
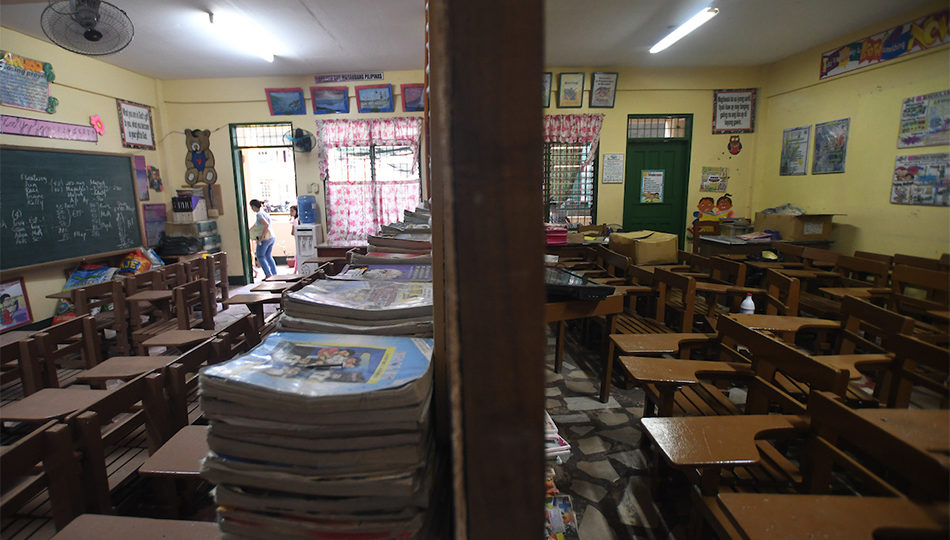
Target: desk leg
{"points": [[607, 370], [257, 308], [559, 346]]}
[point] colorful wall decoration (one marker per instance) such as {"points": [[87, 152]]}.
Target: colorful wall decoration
{"points": [[909, 38], [135, 125], [794, 151], [922, 179], [925, 120], [24, 83], [831, 146], [709, 209], [30, 127], [714, 179]]}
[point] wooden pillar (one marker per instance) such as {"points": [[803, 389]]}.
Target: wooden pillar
{"points": [[486, 134]]}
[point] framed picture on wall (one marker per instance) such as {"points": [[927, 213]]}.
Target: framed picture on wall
{"points": [[570, 90], [603, 89], [546, 79], [330, 99], [374, 98], [135, 125], [413, 97], [283, 101], [15, 305]]}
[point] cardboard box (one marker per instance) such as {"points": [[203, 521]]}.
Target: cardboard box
{"points": [[646, 247], [796, 228], [199, 213]]}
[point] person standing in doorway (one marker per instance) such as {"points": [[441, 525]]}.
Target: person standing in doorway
{"points": [[265, 238]]}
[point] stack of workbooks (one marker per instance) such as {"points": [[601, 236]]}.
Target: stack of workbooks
{"points": [[379, 257], [555, 447], [407, 228], [360, 307], [385, 272], [419, 215], [321, 436], [401, 243]]}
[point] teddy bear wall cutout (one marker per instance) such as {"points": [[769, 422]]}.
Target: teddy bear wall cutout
{"points": [[199, 161]]}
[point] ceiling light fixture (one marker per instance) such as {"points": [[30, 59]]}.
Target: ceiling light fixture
{"points": [[692, 24], [242, 34]]}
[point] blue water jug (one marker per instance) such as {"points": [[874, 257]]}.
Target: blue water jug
{"points": [[307, 208]]}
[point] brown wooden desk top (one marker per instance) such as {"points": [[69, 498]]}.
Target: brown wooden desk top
{"points": [[861, 292], [925, 429], [677, 371], [285, 277], [940, 314], [774, 517], [781, 323], [180, 456], [14, 336], [809, 274], [123, 367], [50, 403], [766, 264], [705, 286], [178, 338], [697, 441], [99, 527], [657, 343], [272, 286], [852, 362], [61, 295], [150, 295], [578, 309], [253, 298]]}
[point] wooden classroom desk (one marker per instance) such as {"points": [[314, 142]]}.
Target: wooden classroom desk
{"points": [[254, 302], [561, 312], [927, 430], [272, 286], [50, 404], [782, 323], [180, 456], [284, 277], [778, 516], [123, 368], [15, 335], [338, 250], [837, 293], [712, 245], [99, 527]]}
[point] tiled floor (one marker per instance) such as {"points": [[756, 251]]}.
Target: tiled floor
{"points": [[607, 473]]}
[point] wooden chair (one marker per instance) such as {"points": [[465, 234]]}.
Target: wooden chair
{"points": [[182, 380], [703, 228], [923, 295], [792, 253], [819, 258], [43, 459], [240, 336], [880, 257], [19, 363], [106, 303], [156, 302], [108, 437], [189, 300], [217, 273], [917, 262], [920, 366], [58, 345], [782, 294], [852, 272], [174, 275]]}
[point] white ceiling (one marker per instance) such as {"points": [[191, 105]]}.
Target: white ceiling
{"points": [[172, 38]]}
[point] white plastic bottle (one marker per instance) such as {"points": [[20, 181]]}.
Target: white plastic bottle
{"points": [[747, 306]]}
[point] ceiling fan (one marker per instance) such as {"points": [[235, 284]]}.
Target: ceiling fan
{"points": [[89, 27]]}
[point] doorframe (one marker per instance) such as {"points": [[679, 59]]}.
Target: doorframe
{"points": [[237, 164], [688, 139]]}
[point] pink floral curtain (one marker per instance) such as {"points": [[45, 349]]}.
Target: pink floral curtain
{"points": [[575, 128], [357, 205]]}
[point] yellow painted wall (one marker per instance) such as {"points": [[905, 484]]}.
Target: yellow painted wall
{"points": [[84, 86], [676, 91], [214, 103], [871, 97]]}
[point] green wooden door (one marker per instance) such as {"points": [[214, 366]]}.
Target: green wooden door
{"points": [[655, 182]]}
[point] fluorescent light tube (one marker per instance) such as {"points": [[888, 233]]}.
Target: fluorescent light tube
{"points": [[692, 24], [242, 34]]}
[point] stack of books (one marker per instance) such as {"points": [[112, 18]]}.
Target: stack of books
{"points": [[407, 228], [385, 272], [360, 307], [321, 436], [419, 215], [555, 235], [379, 257], [401, 243], [555, 447]]}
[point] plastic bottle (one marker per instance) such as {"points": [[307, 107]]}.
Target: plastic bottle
{"points": [[307, 209], [747, 306]]}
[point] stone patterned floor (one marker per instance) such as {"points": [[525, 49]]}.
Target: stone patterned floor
{"points": [[607, 473]]}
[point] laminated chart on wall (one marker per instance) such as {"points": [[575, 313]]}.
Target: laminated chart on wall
{"points": [[925, 120], [714, 179], [794, 151], [922, 180], [831, 146]]}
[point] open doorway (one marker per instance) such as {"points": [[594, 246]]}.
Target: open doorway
{"points": [[264, 169]]}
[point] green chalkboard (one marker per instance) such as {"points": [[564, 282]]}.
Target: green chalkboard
{"points": [[57, 205]]}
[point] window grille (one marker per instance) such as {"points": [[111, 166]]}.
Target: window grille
{"points": [[668, 127], [569, 192], [262, 135]]}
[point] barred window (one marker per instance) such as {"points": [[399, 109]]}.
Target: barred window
{"points": [[569, 191]]}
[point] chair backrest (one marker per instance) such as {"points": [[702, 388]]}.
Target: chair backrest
{"points": [[670, 285], [240, 336], [782, 294], [866, 328], [770, 356], [917, 363], [151, 280], [51, 446], [816, 256], [889, 259], [726, 271], [195, 268], [218, 273], [614, 263], [104, 296], [839, 436], [182, 377], [20, 360], [593, 230], [57, 343], [916, 290], [703, 228], [174, 275], [110, 420], [858, 272], [192, 297], [917, 262], [791, 252]]}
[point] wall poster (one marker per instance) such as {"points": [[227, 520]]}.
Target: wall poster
{"points": [[922, 179], [155, 218], [734, 111], [651, 185], [831, 146], [909, 38], [794, 151], [714, 179], [24, 83], [135, 125], [613, 169], [925, 120]]}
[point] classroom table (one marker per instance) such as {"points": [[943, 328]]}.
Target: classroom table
{"points": [[769, 516], [928, 430], [837, 293], [272, 286], [254, 302], [122, 368], [50, 404], [782, 323], [644, 344], [180, 456], [98, 527], [561, 312]]}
